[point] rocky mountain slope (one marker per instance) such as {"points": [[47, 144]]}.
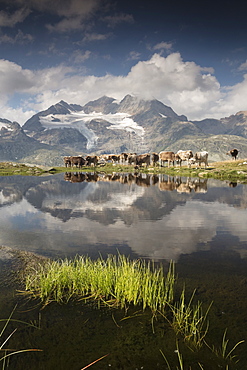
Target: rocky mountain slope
{"points": [[108, 126]]}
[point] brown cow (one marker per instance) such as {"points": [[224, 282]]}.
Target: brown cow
{"points": [[67, 161], [92, 160], [233, 153], [124, 157], [142, 159], [167, 157], [77, 161], [115, 158], [131, 158], [155, 159]]}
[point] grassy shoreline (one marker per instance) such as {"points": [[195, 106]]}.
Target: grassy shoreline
{"points": [[235, 171]]}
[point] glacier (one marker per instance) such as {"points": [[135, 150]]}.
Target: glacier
{"points": [[81, 120]]}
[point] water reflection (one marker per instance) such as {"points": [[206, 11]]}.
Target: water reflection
{"points": [[166, 183], [158, 217]]}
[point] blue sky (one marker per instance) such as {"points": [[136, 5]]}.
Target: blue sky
{"points": [[190, 55]]}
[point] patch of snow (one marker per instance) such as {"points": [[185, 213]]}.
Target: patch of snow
{"points": [[78, 120], [70, 121], [5, 126], [162, 115]]}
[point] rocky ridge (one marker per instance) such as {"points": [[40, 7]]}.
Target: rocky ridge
{"points": [[108, 126]]}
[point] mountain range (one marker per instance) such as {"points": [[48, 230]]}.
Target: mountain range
{"points": [[109, 126]]}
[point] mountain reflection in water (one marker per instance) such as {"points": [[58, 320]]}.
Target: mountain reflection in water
{"points": [[153, 216]]}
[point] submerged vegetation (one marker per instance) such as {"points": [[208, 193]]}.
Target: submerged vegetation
{"points": [[6, 353], [118, 282]]}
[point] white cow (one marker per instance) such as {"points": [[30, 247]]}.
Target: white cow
{"points": [[199, 158], [185, 155]]}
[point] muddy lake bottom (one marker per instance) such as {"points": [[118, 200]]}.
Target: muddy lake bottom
{"points": [[72, 336]]}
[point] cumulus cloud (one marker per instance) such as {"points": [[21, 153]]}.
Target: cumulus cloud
{"points": [[243, 66], [185, 86], [233, 99], [15, 114]]}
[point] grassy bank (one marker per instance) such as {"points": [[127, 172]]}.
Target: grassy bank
{"points": [[235, 171], [11, 168]]}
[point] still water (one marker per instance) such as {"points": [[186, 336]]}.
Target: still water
{"points": [[200, 224], [156, 217]]}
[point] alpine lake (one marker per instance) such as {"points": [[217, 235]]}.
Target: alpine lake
{"points": [[192, 221]]}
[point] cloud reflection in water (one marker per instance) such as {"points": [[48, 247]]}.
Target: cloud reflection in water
{"points": [[57, 216]]}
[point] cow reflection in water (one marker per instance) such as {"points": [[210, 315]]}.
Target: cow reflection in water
{"points": [[144, 180], [165, 183], [169, 183], [80, 177], [74, 176]]}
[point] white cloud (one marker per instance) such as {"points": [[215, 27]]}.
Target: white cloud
{"points": [[68, 8], [233, 100], [72, 13], [185, 86], [114, 20], [89, 37], [20, 38], [163, 46], [80, 57], [67, 24], [243, 66], [15, 114], [10, 20], [134, 55]]}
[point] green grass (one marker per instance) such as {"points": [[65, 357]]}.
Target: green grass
{"points": [[227, 170], [190, 321], [6, 353], [223, 351], [116, 282], [9, 169]]}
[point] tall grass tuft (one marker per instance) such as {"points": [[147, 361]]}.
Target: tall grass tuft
{"points": [[190, 321], [116, 281]]}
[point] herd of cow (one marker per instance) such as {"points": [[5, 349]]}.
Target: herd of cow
{"points": [[146, 159]]}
